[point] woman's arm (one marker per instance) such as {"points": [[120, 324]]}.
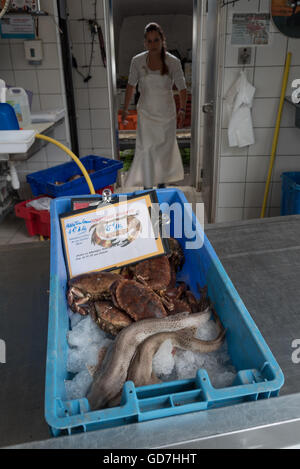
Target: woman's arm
{"points": [[128, 95]]}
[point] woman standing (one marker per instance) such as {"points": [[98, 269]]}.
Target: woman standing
{"points": [[157, 159]]}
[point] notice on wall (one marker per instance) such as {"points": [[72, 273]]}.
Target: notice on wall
{"points": [[111, 236], [250, 29], [17, 26]]}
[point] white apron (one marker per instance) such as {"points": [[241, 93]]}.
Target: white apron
{"points": [[157, 159]]}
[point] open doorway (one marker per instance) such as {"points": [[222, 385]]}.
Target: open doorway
{"points": [[125, 23]]}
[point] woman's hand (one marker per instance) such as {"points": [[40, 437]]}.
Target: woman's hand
{"points": [[124, 115], [180, 118]]}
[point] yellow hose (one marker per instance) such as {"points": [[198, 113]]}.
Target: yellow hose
{"points": [[276, 134], [73, 156]]}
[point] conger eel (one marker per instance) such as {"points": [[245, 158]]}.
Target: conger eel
{"points": [[109, 380], [140, 370]]}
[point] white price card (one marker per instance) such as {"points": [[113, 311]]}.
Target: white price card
{"points": [[110, 236]]}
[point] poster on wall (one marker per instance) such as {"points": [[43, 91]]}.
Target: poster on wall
{"points": [[111, 236], [250, 29], [17, 27]]}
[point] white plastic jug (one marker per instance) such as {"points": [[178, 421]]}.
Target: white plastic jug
{"points": [[18, 99]]}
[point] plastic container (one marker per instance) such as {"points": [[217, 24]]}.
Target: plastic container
{"points": [[37, 221], [105, 174], [8, 118], [18, 99], [259, 376], [290, 193]]}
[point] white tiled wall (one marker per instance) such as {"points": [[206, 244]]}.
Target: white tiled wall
{"points": [[91, 98], [243, 171], [47, 84]]}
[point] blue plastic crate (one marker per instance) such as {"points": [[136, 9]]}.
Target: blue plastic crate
{"points": [[258, 374], [290, 193], [43, 182]]}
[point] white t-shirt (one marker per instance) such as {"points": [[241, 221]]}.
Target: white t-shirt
{"points": [[138, 64]]}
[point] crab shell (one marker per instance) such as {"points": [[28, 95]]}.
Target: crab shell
{"points": [[155, 272], [109, 318], [89, 287], [176, 255], [137, 300]]}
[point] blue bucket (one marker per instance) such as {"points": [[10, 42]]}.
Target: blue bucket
{"points": [[290, 193]]}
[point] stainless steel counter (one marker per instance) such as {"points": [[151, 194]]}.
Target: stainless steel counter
{"points": [[262, 257]]}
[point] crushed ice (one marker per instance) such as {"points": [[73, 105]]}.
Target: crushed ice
{"points": [[86, 340]]}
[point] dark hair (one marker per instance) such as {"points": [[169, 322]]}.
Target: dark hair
{"points": [[156, 27]]}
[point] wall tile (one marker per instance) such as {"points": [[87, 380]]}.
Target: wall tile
{"points": [[293, 47], [251, 213], [5, 62], [75, 9], [257, 168], [227, 214], [274, 53], [107, 152], [99, 78], [98, 98], [8, 76], [267, 81], [276, 194], [82, 98], [100, 119], [264, 112], [49, 81], [51, 101], [233, 169], [263, 141], [50, 59], [231, 194], [288, 141], [27, 79], [76, 32], [83, 119], [18, 58], [47, 29], [254, 194], [101, 138], [85, 139]]}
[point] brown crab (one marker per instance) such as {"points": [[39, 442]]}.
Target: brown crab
{"points": [[109, 318], [137, 300], [87, 288]]}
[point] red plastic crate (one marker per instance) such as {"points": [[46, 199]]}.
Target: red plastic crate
{"points": [[38, 221]]}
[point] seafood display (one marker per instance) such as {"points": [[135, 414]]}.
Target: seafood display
{"points": [[109, 380], [143, 306], [145, 290]]}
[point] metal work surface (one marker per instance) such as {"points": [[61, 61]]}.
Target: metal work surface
{"points": [[24, 282], [262, 258]]}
